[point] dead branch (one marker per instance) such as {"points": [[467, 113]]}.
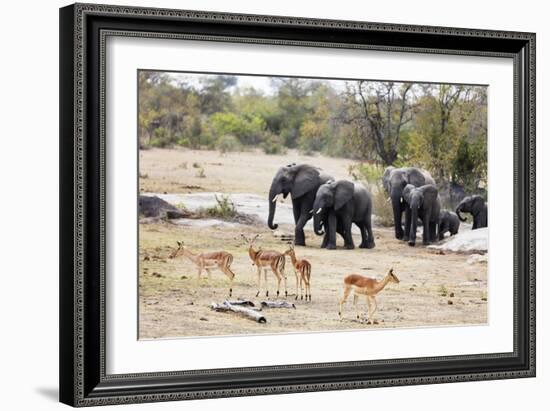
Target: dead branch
{"points": [[249, 313]]}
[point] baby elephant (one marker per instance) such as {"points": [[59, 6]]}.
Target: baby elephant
{"points": [[448, 222], [477, 207]]}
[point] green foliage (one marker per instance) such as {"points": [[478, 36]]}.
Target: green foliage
{"points": [[371, 175], [224, 209], [368, 173], [381, 207], [228, 143], [272, 144], [248, 130], [442, 128]]}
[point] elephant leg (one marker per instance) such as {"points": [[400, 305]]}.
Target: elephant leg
{"points": [[425, 231], [331, 229], [364, 237], [408, 220], [348, 239], [397, 216], [299, 236], [325, 239], [368, 240], [433, 231]]}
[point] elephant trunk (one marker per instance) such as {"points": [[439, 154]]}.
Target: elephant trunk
{"points": [[272, 204], [318, 224], [458, 210]]}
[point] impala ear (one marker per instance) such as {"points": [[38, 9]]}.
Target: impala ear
{"points": [[179, 244]]}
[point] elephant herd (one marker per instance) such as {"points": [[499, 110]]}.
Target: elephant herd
{"points": [[335, 205]]}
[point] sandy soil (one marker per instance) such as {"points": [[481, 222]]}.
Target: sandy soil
{"points": [[436, 289]]}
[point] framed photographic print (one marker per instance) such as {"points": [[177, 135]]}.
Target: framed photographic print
{"points": [[261, 204]]}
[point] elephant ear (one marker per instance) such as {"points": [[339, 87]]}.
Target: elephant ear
{"points": [[407, 192], [477, 203], [307, 179], [343, 193]]}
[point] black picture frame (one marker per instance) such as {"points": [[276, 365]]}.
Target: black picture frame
{"points": [[83, 29]]}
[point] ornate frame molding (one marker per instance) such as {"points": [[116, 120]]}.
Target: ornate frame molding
{"points": [[82, 368]]}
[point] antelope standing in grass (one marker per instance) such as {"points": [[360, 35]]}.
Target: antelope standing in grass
{"points": [[302, 270], [368, 287], [264, 259], [205, 261]]}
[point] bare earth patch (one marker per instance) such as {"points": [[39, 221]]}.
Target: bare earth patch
{"points": [[437, 288]]}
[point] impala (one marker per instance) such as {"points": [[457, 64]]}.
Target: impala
{"points": [[267, 259], [302, 270], [369, 287], [205, 261]]}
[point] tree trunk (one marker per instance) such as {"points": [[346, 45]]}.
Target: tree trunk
{"points": [[238, 309]]}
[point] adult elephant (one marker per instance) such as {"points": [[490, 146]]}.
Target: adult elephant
{"points": [[301, 181], [422, 202], [394, 181], [343, 203], [476, 206]]}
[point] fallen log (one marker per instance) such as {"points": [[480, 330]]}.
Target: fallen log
{"points": [[244, 311], [277, 304], [246, 303]]}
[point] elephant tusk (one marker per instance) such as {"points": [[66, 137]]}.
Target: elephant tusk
{"points": [[311, 211], [388, 199], [319, 210], [275, 198]]}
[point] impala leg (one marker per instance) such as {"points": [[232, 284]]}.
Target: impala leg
{"points": [[231, 275], [209, 273], [342, 301], [297, 279], [259, 273], [357, 314], [265, 282], [199, 272], [372, 309], [284, 280], [278, 276], [302, 288]]}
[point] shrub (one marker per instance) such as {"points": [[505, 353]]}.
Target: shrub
{"points": [[162, 138], [228, 143], [272, 144], [371, 175], [200, 173], [366, 172], [224, 209], [381, 207]]}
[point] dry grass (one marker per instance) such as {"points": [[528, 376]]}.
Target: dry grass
{"points": [[174, 303]]}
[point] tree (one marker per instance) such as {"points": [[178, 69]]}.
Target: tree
{"points": [[381, 111]]}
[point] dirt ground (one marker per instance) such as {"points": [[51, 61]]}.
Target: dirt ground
{"points": [[435, 289]]}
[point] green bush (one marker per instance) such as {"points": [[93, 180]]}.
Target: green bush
{"points": [[371, 176], [224, 209], [367, 173], [162, 138], [381, 207], [273, 144], [228, 143]]}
